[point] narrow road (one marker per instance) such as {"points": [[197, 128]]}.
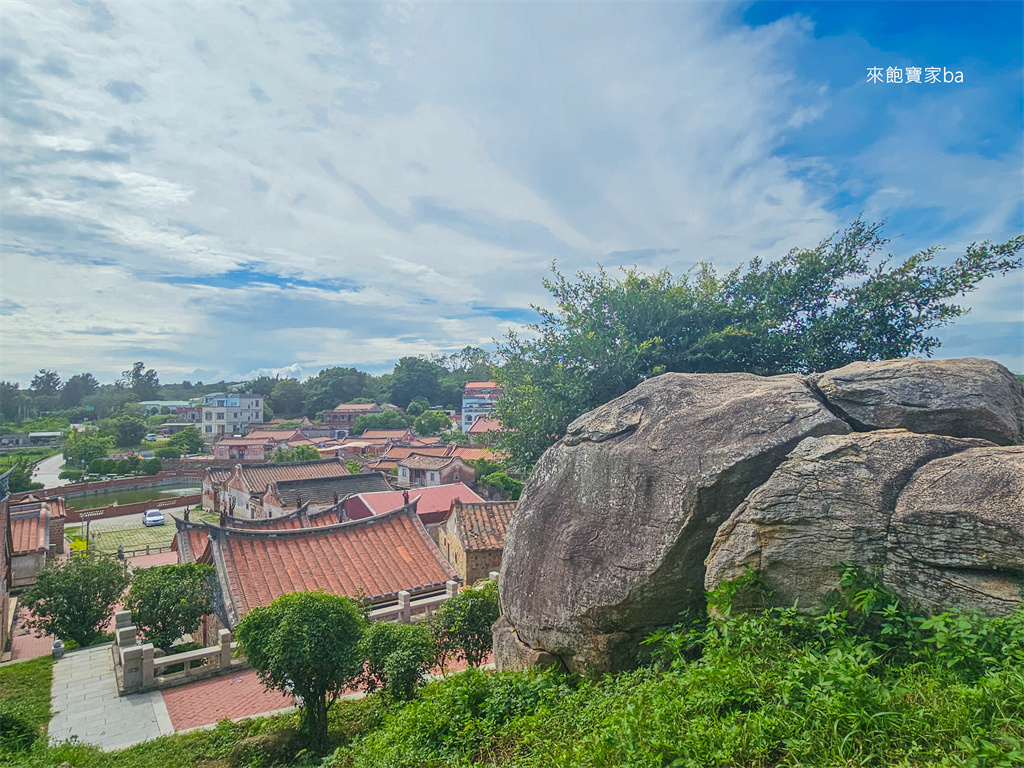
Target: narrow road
{"points": [[47, 471]]}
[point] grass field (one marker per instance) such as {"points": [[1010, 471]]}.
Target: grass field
{"points": [[129, 532]]}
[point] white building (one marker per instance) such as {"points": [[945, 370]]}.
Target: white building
{"points": [[230, 414], [478, 401]]}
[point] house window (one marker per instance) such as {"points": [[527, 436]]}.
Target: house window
{"points": [[209, 415], [209, 428]]}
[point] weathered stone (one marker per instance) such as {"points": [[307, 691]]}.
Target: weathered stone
{"points": [[512, 653], [610, 536], [957, 536], [829, 503], [966, 397]]}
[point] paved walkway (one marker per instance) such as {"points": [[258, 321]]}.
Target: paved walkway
{"points": [[25, 643], [231, 697], [86, 704]]}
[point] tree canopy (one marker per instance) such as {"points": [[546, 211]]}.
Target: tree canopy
{"points": [[168, 601], [812, 310], [141, 382], [306, 643]]}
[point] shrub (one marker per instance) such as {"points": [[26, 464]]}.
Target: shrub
{"points": [[150, 466], [397, 657], [169, 601], [167, 452], [73, 600], [462, 626]]}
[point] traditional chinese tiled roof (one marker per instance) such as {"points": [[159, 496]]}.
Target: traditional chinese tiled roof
{"points": [[190, 541], [421, 461], [320, 490], [275, 435], [432, 503], [356, 407], [299, 518], [386, 434], [30, 529], [482, 426], [470, 453], [398, 452], [382, 465], [482, 526], [257, 477], [481, 385], [376, 557], [244, 441]]}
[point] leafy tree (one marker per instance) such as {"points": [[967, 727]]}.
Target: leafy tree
{"points": [[305, 453], [308, 644], [70, 474], [508, 485], [432, 423], [82, 448], [20, 478], [462, 626], [12, 400], [354, 467], [811, 310], [286, 399], [153, 466], [167, 452], [385, 420], [74, 599], [76, 389], [95, 467], [129, 431], [123, 467], [417, 406], [415, 376], [262, 385], [168, 601], [337, 385], [455, 436], [108, 399], [46, 382], [398, 656], [141, 382], [188, 440]]}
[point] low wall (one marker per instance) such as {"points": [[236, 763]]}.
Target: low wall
{"points": [[201, 465], [117, 510], [100, 486]]}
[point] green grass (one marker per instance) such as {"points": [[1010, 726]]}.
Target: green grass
{"points": [[27, 455], [24, 703], [130, 533]]}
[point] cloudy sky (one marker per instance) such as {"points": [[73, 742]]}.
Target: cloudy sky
{"points": [[220, 188]]}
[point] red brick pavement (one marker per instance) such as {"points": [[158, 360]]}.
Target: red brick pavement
{"points": [[25, 644], [210, 701], [159, 558]]}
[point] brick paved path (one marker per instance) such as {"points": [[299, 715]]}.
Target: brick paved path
{"points": [[231, 696], [25, 644], [85, 704]]}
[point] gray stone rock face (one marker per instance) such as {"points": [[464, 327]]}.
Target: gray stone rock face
{"points": [[966, 397], [957, 536], [830, 502], [610, 535]]}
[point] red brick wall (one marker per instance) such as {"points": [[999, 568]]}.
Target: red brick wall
{"points": [[139, 506]]}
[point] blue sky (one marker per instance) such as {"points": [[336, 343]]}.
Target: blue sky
{"points": [[219, 189]]}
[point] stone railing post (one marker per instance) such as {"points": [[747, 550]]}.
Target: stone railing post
{"points": [[404, 607], [122, 619], [493, 575], [125, 636], [451, 589], [224, 639], [132, 668], [148, 674]]}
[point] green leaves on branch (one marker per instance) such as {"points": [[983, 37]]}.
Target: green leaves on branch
{"points": [[74, 600], [169, 601], [462, 626], [811, 310]]}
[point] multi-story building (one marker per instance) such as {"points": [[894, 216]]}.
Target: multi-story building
{"points": [[341, 418], [478, 401], [230, 414]]}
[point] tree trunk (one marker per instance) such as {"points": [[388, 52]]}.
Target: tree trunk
{"points": [[316, 723]]}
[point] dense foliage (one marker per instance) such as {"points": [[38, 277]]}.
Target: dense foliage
{"points": [[74, 599], [307, 644], [169, 601], [398, 656], [462, 626], [811, 310]]}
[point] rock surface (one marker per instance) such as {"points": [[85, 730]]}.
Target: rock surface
{"points": [[610, 535], [830, 502], [957, 536], [966, 397]]}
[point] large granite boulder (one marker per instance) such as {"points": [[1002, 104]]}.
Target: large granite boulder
{"points": [[966, 397], [829, 503], [610, 535], [957, 536]]}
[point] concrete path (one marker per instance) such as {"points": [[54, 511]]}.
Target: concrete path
{"points": [[85, 704], [47, 471]]}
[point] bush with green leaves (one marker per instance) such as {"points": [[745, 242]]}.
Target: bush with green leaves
{"points": [[507, 485], [169, 601], [188, 440], [167, 452], [397, 658], [74, 599], [462, 626], [306, 644]]}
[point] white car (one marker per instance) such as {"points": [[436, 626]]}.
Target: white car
{"points": [[152, 517]]}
